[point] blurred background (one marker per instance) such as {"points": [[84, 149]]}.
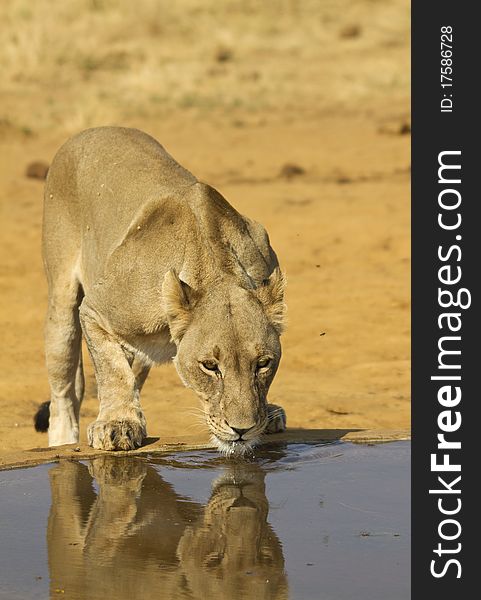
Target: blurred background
{"points": [[296, 111]]}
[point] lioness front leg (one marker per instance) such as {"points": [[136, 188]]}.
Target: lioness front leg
{"points": [[120, 424], [276, 419]]}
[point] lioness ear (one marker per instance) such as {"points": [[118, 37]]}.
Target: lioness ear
{"points": [[178, 299], [271, 296]]}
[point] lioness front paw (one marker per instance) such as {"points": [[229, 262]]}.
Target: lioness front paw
{"points": [[118, 471], [277, 419], [123, 434]]}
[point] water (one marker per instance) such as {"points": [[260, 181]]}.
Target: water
{"points": [[310, 522]]}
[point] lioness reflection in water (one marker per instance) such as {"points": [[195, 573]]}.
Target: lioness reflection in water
{"points": [[137, 538]]}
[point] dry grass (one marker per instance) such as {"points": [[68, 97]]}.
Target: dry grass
{"points": [[69, 65]]}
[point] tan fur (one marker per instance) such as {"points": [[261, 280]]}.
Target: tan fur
{"points": [[150, 264]]}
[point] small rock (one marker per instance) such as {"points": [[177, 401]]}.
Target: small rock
{"points": [[395, 128], [224, 55], [290, 170], [337, 411], [77, 449], [350, 31], [343, 179], [37, 170]]}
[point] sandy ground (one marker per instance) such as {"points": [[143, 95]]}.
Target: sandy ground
{"points": [[325, 89]]}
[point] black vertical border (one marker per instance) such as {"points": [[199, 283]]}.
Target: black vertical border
{"points": [[433, 132]]}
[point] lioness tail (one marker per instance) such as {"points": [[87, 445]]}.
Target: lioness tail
{"points": [[42, 416]]}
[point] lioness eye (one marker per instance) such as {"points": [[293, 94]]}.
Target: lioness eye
{"points": [[210, 365], [262, 363]]}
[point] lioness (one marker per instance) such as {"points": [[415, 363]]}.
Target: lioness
{"points": [[151, 264]]}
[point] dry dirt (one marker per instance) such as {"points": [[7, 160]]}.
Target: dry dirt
{"points": [[298, 112]]}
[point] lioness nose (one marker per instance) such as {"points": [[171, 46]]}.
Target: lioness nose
{"points": [[240, 431]]}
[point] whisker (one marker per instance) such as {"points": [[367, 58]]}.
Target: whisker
{"points": [[275, 413], [197, 418], [196, 427], [192, 411]]}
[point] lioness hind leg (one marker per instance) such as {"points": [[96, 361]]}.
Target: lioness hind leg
{"points": [[79, 377], [141, 372], [276, 419], [120, 424], [63, 337]]}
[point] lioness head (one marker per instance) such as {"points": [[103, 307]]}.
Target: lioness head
{"points": [[228, 351]]}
